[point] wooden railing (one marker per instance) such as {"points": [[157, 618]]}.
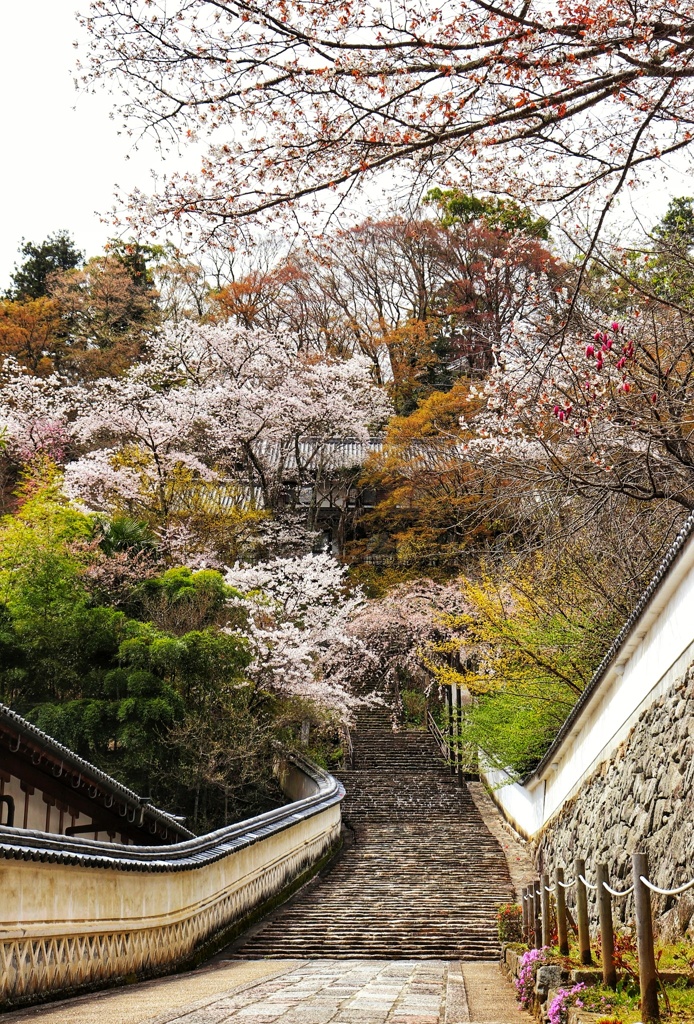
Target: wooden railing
{"points": [[539, 908], [459, 757], [78, 913], [441, 740], [348, 747]]}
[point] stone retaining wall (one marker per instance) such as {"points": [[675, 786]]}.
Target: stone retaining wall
{"points": [[642, 799]]}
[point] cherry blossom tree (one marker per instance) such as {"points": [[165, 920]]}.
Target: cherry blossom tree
{"points": [[535, 100], [212, 424], [402, 633], [35, 413], [299, 610], [143, 438], [271, 407]]}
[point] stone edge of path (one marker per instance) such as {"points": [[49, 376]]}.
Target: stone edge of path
{"points": [[516, 850], [492, 999], [457, 1010]]}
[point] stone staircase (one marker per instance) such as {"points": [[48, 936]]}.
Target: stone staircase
{"points": [[422, 878]]}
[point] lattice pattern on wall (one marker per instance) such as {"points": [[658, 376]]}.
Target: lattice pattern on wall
{"points": [[53, 964]]}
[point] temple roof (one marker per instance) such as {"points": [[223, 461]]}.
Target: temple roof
{"points": [[41, 761]]}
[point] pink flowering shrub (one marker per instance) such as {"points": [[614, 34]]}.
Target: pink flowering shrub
{"points": [[565, 997], [43, 437], [525, 982]]}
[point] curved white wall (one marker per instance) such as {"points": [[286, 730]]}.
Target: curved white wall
{"points": [[657, 651], [76, 912]]}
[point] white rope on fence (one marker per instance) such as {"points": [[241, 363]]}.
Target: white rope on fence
{"points": [[614, 892], [667, 892]]}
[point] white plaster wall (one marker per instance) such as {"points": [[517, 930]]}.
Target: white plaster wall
{"points": [[658, 650], [44, 899], [36, 820]]}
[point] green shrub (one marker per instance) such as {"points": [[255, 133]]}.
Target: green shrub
{"points": [[509, 922], [414, 706]]}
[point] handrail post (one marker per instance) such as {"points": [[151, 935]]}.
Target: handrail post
{"points": [[537, 914], [530, 924], [609, 973], [544, 905], [562, 932], [648, 978], [582, 915], [452, 739], [459, 720], [454, 729]]}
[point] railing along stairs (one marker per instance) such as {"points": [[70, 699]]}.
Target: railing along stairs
{"points": [[458, 756]]}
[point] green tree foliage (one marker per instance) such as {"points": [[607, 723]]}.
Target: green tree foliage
{"points": [[121, 533], [63, 638], [457, 207], [678, 221], [30, 279], [665, 272], [525, 649], [138, 258], [151, 687], [137, 667]]}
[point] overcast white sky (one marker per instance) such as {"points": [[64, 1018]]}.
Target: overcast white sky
{"points": [[62, 154]]}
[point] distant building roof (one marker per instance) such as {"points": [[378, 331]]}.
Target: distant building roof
{"points": [[324, 454]]}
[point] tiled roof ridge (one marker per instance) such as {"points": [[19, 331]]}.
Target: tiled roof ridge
{"points": [[196, 852]]}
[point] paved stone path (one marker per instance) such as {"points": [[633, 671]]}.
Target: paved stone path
{"points": [[302, 992]]}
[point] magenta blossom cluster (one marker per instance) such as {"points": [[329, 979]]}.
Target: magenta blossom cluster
{"points": [[565, 997], [525, 982], [603, 344]]}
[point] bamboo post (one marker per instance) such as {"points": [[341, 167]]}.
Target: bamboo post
{"points": [[562, 932], [582, 914], [609, 973], [537, 914], [648, 978], [544, 904]]}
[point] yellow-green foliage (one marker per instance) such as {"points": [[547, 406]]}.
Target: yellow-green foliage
{"points": [[525, 648]]}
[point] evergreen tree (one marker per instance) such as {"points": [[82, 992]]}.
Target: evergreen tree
{"points": [[30, 278]]}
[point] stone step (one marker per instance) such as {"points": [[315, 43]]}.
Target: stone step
{"points": [[422, 877]]}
